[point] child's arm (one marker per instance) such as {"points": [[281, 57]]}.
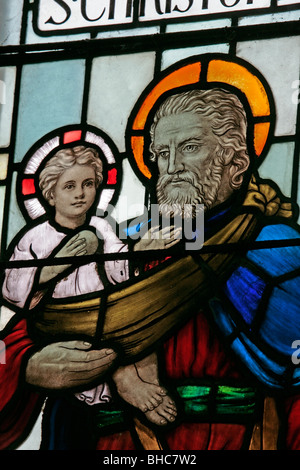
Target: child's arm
{"points": [[116, 270]]}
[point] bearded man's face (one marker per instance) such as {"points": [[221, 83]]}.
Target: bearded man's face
{"points": [[190, 171]]}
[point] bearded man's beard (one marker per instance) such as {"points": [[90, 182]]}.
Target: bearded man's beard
{"points": [[196, 188]]}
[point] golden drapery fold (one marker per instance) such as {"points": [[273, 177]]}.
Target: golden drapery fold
{"points": [[263, 196]]}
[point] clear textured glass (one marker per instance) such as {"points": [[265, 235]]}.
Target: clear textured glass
{"points": [[7, 91], [3, 165], [293, 15], [16, 220], [278, 60], [116, 83], [142, 31], [10, 22], [281, 3], [174, 55], [2, 197], [198, 25], [278, 166], [130, 202]]}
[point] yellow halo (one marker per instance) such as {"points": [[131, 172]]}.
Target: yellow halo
{"points": [[218, 70]]}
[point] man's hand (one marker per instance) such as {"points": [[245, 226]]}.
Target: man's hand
{"points": [[69, 364], [83, 243], [156, 239]]}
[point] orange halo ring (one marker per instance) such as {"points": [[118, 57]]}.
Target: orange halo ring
{"points": [[207, 69]]}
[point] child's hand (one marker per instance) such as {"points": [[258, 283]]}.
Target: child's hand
{"points": [[83, 243], [156, 239]]}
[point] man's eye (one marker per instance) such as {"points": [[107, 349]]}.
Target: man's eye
{"points": [[164, 154], [189, 148]]}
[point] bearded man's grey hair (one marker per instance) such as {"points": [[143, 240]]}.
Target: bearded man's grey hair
{"points": [[228, 120]]}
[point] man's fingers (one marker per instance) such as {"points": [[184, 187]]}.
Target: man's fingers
{"points": [[94, 365], [171, 232], [153, 233], [171, 243], [75, 344], [94, 355], [167, 229], [153, 229], [63, 364], [86, 345], [81, 352], [178, 231]]}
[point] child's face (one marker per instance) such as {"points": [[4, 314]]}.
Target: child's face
{"points": [[74, 193]]}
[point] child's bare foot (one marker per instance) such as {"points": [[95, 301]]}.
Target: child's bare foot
{"points": [[146, 396], [143, 395], [163, 413]]}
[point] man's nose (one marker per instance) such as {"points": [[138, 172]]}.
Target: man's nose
{"points": [[175, 164]]}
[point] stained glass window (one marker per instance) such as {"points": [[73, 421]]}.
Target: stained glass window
{"points": [[149, 192]]}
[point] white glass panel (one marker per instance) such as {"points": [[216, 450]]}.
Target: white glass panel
{"points": [[3, 165], [7, 91], [2, 197], [16, 220], [279, 61], [105, 199], [33, 441], [5, 315], [131, 200], [116, 84]]}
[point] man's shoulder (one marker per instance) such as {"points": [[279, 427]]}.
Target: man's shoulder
{"points": [[278, 254]]}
